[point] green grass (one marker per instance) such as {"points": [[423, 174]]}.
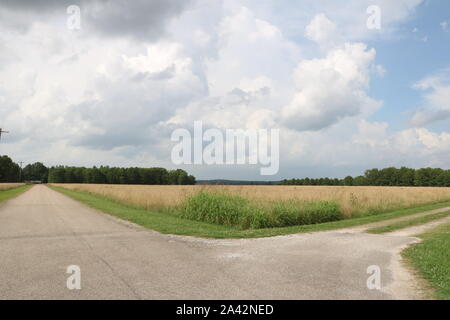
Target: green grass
{"points": [[13, 192], [235, 211], [409, 223], [168, 223], [431, 258]]}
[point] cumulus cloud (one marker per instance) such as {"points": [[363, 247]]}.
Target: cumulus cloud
{"points": [[32, 5], [142, 19], [154, 84], [331, 88], [116, 89], [371, 133], [436, 100], [96, 97], [424, 117], [245, 89], [350, 147], [349, 16], [423, 147], [416, 143], [320, 29], [249, 48]]}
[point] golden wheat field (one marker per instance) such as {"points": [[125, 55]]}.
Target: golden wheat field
{"points": [[352, 199], [5, 186]]}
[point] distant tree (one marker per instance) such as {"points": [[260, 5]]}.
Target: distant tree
{"points": [[35, 172], [422, 177], [384, 177], [9, 171], [56, 175], [97, 176], [348, 181], [372, 177], [406, 176], [360, 181], [387, 177], [446, 178], [191, 180]]}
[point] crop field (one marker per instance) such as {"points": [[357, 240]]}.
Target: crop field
{"points": [[254, 207], [6, 186]]}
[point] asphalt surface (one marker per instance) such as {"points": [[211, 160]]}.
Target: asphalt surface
{"points": [[43, 232]]}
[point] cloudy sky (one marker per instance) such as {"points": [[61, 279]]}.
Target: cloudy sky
{"points": [[344, 96]]}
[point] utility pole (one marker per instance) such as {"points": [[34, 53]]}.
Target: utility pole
{"points": [[20, 172], [1, 131]]}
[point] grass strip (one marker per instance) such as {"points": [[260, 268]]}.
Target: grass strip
{"points": [[13, 192], [409, 223], [169, 224], [431, 258]]}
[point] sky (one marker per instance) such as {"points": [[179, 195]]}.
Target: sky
{"points": [[348, 88]]}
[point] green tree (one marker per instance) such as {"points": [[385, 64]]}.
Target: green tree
{"points": [[35, 172], [348, 181], [56, 175], [9, 171]]}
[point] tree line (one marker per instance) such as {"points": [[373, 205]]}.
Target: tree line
{"points": [[406, 177], [10, 172], [114, 175]]}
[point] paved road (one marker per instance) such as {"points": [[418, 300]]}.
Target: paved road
{"points": [[43, 232]]}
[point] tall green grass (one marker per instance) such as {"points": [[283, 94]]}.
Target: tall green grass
{"points": [[235, 211], [431, 258]]}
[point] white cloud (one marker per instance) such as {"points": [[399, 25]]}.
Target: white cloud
{"points": [[94, 96], [331, 88], [436, 100], [444, 25], [423, 147], [245, 89], [352, 146], [373, 134], [320, 29], [240, 36], [433, 140], [350, 16], [115, 94]]}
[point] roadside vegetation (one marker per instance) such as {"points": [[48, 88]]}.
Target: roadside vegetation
{"points": [[410, 223], [214, 215], [236, 211], [11, 190], [431, 258]]}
